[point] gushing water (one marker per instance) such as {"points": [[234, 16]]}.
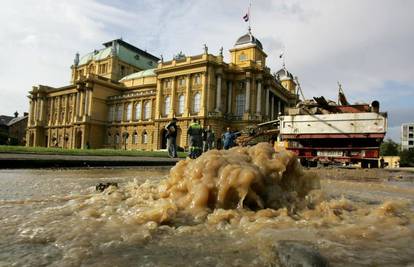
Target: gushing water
{"points": [[226, 208]]}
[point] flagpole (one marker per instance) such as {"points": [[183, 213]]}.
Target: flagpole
{"points": [[250, 7]]}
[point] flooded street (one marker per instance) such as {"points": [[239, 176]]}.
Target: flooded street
{"points": [[56, 218]]}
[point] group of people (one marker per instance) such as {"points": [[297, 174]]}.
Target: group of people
{"points": [[199, 139]]}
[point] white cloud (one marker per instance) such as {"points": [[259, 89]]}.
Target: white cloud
{"points": [[363, 44]]}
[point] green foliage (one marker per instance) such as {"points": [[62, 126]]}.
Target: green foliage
{"points": [[389, 148], [407, 158], [85, 152]]}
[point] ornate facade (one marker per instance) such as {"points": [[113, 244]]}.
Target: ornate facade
{"points": [[122, 97]]}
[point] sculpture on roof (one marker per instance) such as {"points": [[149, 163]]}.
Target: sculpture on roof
{"points": [[76, 60], [221, 51], [205, 49], [180, 55]]}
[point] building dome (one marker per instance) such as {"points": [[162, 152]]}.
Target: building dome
{"points": [[139, 74], [283, 74], [248, 38]]}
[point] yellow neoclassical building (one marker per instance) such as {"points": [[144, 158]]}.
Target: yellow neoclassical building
{"points": [[122, 97]]}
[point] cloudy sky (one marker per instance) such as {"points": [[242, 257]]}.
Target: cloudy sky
{"points": [[367, 45]]}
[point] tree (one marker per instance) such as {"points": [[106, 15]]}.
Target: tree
{"points": [[407, 158], [389, 148]]}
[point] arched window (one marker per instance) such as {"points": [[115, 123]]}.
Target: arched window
{"points": [[117, 138], [138, 111], [181, 104], [135, 138], [144, 137], [119, 113], [240, 102], [196, 103], [129, 112], [167, 105], [147, 110]]}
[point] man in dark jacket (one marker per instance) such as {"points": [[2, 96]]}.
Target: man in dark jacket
{"points": [[171, 136], [208, 138], [195, 139]]}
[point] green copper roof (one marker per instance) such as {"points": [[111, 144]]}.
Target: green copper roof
{"points": [[139, 74], [135, 59], [96, 55], [125, 52]]}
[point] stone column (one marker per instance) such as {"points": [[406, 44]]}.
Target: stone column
{"points": [[65, 116], [158, 99], [31, 113], [229, 96], [59, 99], [34, 111], [77, 105], [41, 109], [247, 103], [218, 95], [272, 112], [204, 89], [172, 99], [86, 103], [267, 101], [259, 98], [278, 107], [90, 103], [142, 110], [187, 97], [50, 122]]}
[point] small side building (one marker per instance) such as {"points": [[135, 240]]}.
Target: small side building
{"points": [[407, 136], [17, 129]]}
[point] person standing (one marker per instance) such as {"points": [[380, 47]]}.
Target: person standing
{"points": [[208, 138], [195, 139], [171, 136], [228, 139]]}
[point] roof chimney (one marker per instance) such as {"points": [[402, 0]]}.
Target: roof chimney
{"points": [[16, 114]]}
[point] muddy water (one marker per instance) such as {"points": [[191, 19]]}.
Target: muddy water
{"points": [[55, 218]]}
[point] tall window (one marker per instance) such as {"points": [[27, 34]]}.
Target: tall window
{"points": [[197, 79], [147, 110], [111, 113], [103, 68], [117, 138], [240, 102], [181, 81], [181, 104], [129, 112], [145, 137], [167, 83], [138, 111], [196, 103], [135, 138], [166, 105], [119, 113]]}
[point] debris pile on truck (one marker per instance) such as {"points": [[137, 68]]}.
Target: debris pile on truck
{"points": [[326, 132]]}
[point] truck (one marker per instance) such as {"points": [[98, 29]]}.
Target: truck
{"points": [[324, 133]]}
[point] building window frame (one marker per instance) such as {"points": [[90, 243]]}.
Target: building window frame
{"points": [[197, 102], [147, 110], [167, 105], [181, 103]]}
